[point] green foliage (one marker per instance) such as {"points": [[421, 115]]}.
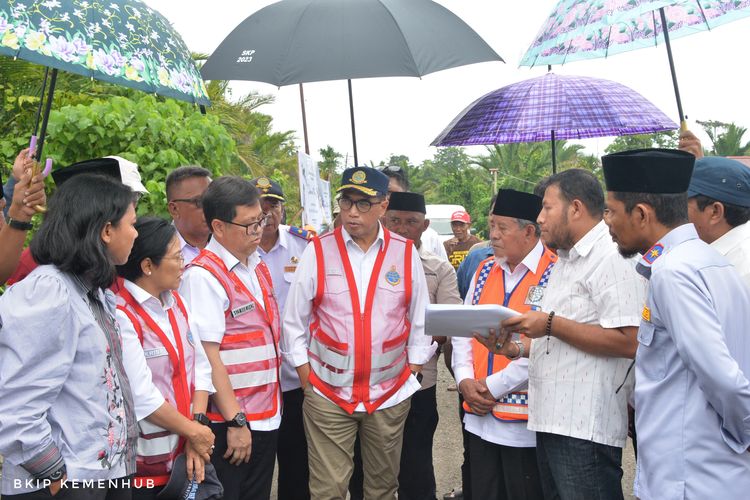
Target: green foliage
{"points": [[331, 164], [141, 130], [726, 138], [642, 141]]}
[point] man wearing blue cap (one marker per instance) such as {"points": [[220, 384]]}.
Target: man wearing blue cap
{"points": [[719, 207], [354, 329], [692, 394]]}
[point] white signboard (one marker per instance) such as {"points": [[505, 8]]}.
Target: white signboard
{"points": [[324, 190], [313, 212]]}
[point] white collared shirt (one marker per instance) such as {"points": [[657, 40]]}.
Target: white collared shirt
{"points": [[282, 261], [209, 300], [571, 392], [295, 336], [189, 252], [514, 377], [432, 243], [146, 395], [735, 246]]}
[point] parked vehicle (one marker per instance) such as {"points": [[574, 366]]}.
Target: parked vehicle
{"points": [[440, 219]]}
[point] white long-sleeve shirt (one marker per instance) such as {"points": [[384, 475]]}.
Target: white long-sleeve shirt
{"points": [[513, 377], [146, 395], [296, 334]]}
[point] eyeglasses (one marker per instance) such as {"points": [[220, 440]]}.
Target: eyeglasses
{"points": [[179, 258], [197, 202], [363, 206], [253, 226]]}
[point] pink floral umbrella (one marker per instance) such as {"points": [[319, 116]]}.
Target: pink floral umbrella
{"points": [[587, 29]]}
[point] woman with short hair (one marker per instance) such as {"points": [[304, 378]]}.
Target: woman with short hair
{"points": [[164, 359], [67, 409]]}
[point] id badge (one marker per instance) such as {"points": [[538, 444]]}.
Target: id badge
{"points": [[534, 296]]}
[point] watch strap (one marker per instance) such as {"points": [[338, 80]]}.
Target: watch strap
{"points": [[18, 224]]}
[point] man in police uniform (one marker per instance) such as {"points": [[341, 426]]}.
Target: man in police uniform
{"points": [[354, 328], [719, 207], [501, 449], [281, 247], [692, 392]]}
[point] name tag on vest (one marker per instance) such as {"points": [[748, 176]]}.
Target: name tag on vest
{"points": [[243, 309], [155, 353]]}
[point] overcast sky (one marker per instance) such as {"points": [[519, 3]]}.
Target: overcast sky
{"points": [[403, 115]]}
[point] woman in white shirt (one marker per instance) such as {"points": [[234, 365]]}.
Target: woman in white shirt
{"points": [[169, 372]]}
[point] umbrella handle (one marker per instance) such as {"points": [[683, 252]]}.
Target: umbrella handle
{"points": [[683, 126]]}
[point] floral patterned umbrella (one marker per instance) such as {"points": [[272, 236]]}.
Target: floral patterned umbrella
{"points": [[124, 42], [586, 29]]}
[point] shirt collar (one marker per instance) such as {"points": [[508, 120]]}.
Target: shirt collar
{"points": [[379, 240], [583, 247], [230, 260], [732, 238], [530, 262], [143, 297], [282, 241], [672, 239]]}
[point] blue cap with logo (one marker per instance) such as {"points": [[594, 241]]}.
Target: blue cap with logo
{"points": [[365, 179], [721, 179]]}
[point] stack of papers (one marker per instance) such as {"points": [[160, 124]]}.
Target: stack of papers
{"points": [[449, 320]]}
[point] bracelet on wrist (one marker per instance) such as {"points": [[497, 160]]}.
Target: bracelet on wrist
{"points": [[18, 224], [548, 328]]}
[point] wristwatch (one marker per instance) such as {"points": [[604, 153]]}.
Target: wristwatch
{"points": [[56, 475], [239, 420], [418, 376], [18, 224], [201, 418], [521, 350]]}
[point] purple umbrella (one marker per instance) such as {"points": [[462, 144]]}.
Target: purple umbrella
{"points": [[553, 107]]}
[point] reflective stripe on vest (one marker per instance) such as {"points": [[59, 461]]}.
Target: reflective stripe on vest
{"points": [[248, 349], [157, 447], [491, 286], [358, 355]]}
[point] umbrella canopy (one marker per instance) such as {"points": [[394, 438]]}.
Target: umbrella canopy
{"points": [[300, 41], [553, 107], [118, 41], [585, 29]]}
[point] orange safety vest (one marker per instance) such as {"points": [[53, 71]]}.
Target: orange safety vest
{"points": [[527, 294]]}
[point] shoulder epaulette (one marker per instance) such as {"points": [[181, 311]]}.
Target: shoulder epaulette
{"points": [[301, 233]]}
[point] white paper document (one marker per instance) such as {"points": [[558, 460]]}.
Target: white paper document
{"points": [[450, 320]]}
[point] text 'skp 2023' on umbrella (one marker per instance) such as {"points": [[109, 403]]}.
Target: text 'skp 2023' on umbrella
{"points": [[301, 41]]}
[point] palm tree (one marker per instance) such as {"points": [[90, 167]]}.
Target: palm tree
{"points": [[726, 138]]}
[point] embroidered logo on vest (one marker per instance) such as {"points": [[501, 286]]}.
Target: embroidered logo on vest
{"points": [[534, 296], [392, 276], [243, 309]]}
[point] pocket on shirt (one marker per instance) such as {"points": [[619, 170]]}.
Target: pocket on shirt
{"points": [[651, 359]]}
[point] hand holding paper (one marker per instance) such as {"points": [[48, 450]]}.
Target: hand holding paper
{"points": [[463, 321]]}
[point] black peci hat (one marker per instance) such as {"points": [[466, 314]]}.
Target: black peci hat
{"points": [[658, 171], [517, 204], [407, 202]]}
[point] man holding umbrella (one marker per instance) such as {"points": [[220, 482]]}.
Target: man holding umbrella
{"points": [[692, 390], [354, 328]]}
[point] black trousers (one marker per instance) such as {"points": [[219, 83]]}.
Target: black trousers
{"points": [[466, 465], [76, 491], [146, 493], [247, 481], [294, 474], [416, 478], [502, 472]]}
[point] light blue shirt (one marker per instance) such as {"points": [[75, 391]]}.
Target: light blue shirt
{"points": [[692, 393], [61, 387]]}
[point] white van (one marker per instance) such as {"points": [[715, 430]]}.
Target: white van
{"points": [[440, 219]]}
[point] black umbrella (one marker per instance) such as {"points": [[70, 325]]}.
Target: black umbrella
{"points": [[300, 41]]}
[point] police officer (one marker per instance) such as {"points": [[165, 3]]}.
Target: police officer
{"points": [[692, 392], [719, 207], [280, 248], [354, 328]]}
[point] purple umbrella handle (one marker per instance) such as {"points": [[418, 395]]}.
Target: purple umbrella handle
{"points": [[32, 146], [47, 168]]}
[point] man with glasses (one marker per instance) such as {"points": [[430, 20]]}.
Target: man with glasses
{"points": [[185, 188], [229, 289], [354, 328], [280, 249]]}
